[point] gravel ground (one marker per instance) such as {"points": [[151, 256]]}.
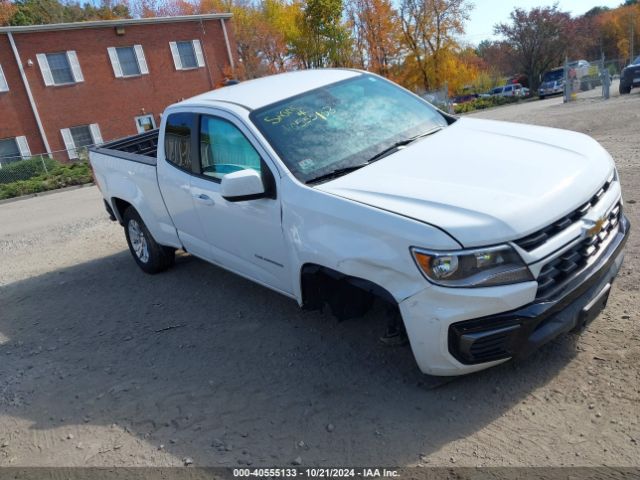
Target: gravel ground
{"points": [[102, 365]]}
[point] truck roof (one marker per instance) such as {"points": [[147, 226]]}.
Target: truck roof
{"points": [[257, 93]]}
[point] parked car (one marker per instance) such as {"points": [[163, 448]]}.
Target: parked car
{"points": [[469, 97], [339, 187], [552, 83], [509, 90], [586, 73], [630, 77]]}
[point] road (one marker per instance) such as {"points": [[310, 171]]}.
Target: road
{"points": [[102, 365]]}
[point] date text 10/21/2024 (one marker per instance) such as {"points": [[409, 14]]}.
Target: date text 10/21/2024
{"points": [[316, 472]]}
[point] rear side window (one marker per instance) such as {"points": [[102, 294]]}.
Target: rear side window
{"points": [[177, 140]]}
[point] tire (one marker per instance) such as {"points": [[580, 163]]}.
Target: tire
{"points": [[147, 253], [624, 90], [541, 97]]}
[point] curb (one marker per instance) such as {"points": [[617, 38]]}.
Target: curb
{"points": [[44, 194]]}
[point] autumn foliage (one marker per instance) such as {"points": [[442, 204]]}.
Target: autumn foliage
{"points": [[418, 43]]}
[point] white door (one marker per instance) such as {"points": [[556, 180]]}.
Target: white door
{"points": [[245, 236]]}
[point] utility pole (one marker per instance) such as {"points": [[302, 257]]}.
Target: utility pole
{"points": [[631, 39]]}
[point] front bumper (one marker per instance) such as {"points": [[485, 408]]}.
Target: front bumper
{"points": [[446, 342], [545, 92]]}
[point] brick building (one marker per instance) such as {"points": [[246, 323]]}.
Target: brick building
{"points": [[65, 86]]}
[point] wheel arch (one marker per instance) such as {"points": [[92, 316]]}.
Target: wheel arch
{"points": [[119, 206], [347, 296]]}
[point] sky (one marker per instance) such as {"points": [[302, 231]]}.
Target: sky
{"points": [[486, 13]]}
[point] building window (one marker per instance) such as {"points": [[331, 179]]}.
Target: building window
{"points": [[13, 149], [144, 123], [4, 86], [81, 136], [187, 55], [128, 61], [62, 68]]}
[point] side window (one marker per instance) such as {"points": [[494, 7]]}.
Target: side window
{"points": [[224, 149], [177, 140]]}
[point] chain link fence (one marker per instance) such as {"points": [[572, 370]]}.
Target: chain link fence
{"points": [[582, 76], [18, 168], [39, 173], [586, 79], [439, 98]]}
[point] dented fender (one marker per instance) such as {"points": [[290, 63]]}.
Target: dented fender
{"points": [[356, 240]]}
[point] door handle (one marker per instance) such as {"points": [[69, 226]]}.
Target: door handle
{"points": [[203, 198]]}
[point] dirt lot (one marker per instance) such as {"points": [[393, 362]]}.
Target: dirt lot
{"points": [[92, 372]]}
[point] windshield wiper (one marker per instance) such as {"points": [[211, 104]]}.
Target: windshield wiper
{"points": [[336, 173], [402, 143], [387, 151]]}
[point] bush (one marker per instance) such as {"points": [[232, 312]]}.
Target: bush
{"points": [[25, 169], [59, 176]]}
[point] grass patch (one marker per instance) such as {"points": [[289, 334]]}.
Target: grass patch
{"points": [[59, 175]]}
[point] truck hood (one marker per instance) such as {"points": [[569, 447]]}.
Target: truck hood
{"points": [[483, 181]]}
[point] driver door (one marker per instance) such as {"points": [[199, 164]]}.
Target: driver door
{"points": [[244, 236]]}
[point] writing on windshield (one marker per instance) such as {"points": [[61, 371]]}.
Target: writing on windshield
{"points": [[343, 124], [297, 117]]}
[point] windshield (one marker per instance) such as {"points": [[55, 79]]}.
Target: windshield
{"points": [[553, 76], [343, 124], [636, 61]]}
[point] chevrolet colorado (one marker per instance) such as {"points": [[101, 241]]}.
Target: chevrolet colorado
{"points": [[339, 187]]}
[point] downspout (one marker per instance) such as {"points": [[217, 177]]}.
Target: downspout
{"points": [[206, 60], [32, 102], [226, 41]]}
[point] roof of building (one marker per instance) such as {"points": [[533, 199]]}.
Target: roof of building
{"points": [[113, 23], [260, 92]]}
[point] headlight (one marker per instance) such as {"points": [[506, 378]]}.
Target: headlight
{"points": [[482, 267]]}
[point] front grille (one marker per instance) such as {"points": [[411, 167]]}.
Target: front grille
{"points": [[561, 269], [536, 239]]}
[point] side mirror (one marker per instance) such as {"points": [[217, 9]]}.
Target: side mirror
{"points": [[242, 185]]}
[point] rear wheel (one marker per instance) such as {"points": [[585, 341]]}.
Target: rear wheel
{"points": [[150, 256]]}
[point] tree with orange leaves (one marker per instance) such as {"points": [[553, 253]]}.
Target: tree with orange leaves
{"points": [[377, 35]]}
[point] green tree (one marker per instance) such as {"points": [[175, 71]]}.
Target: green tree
{"points": [[40, 12], [324, 39]]}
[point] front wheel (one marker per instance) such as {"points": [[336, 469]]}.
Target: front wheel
{"points": [[148, 254], [624, 90]]}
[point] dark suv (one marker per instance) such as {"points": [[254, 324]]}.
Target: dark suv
{"points": [[630, 77]]}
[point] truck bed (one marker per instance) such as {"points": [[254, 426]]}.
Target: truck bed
{"points": [[141, 148]]}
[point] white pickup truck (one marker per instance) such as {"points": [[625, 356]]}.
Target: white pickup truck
{"points": [[339, 187]]}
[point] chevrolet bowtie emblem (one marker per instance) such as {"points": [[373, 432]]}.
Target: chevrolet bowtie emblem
{"points": [[596, 228]]}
